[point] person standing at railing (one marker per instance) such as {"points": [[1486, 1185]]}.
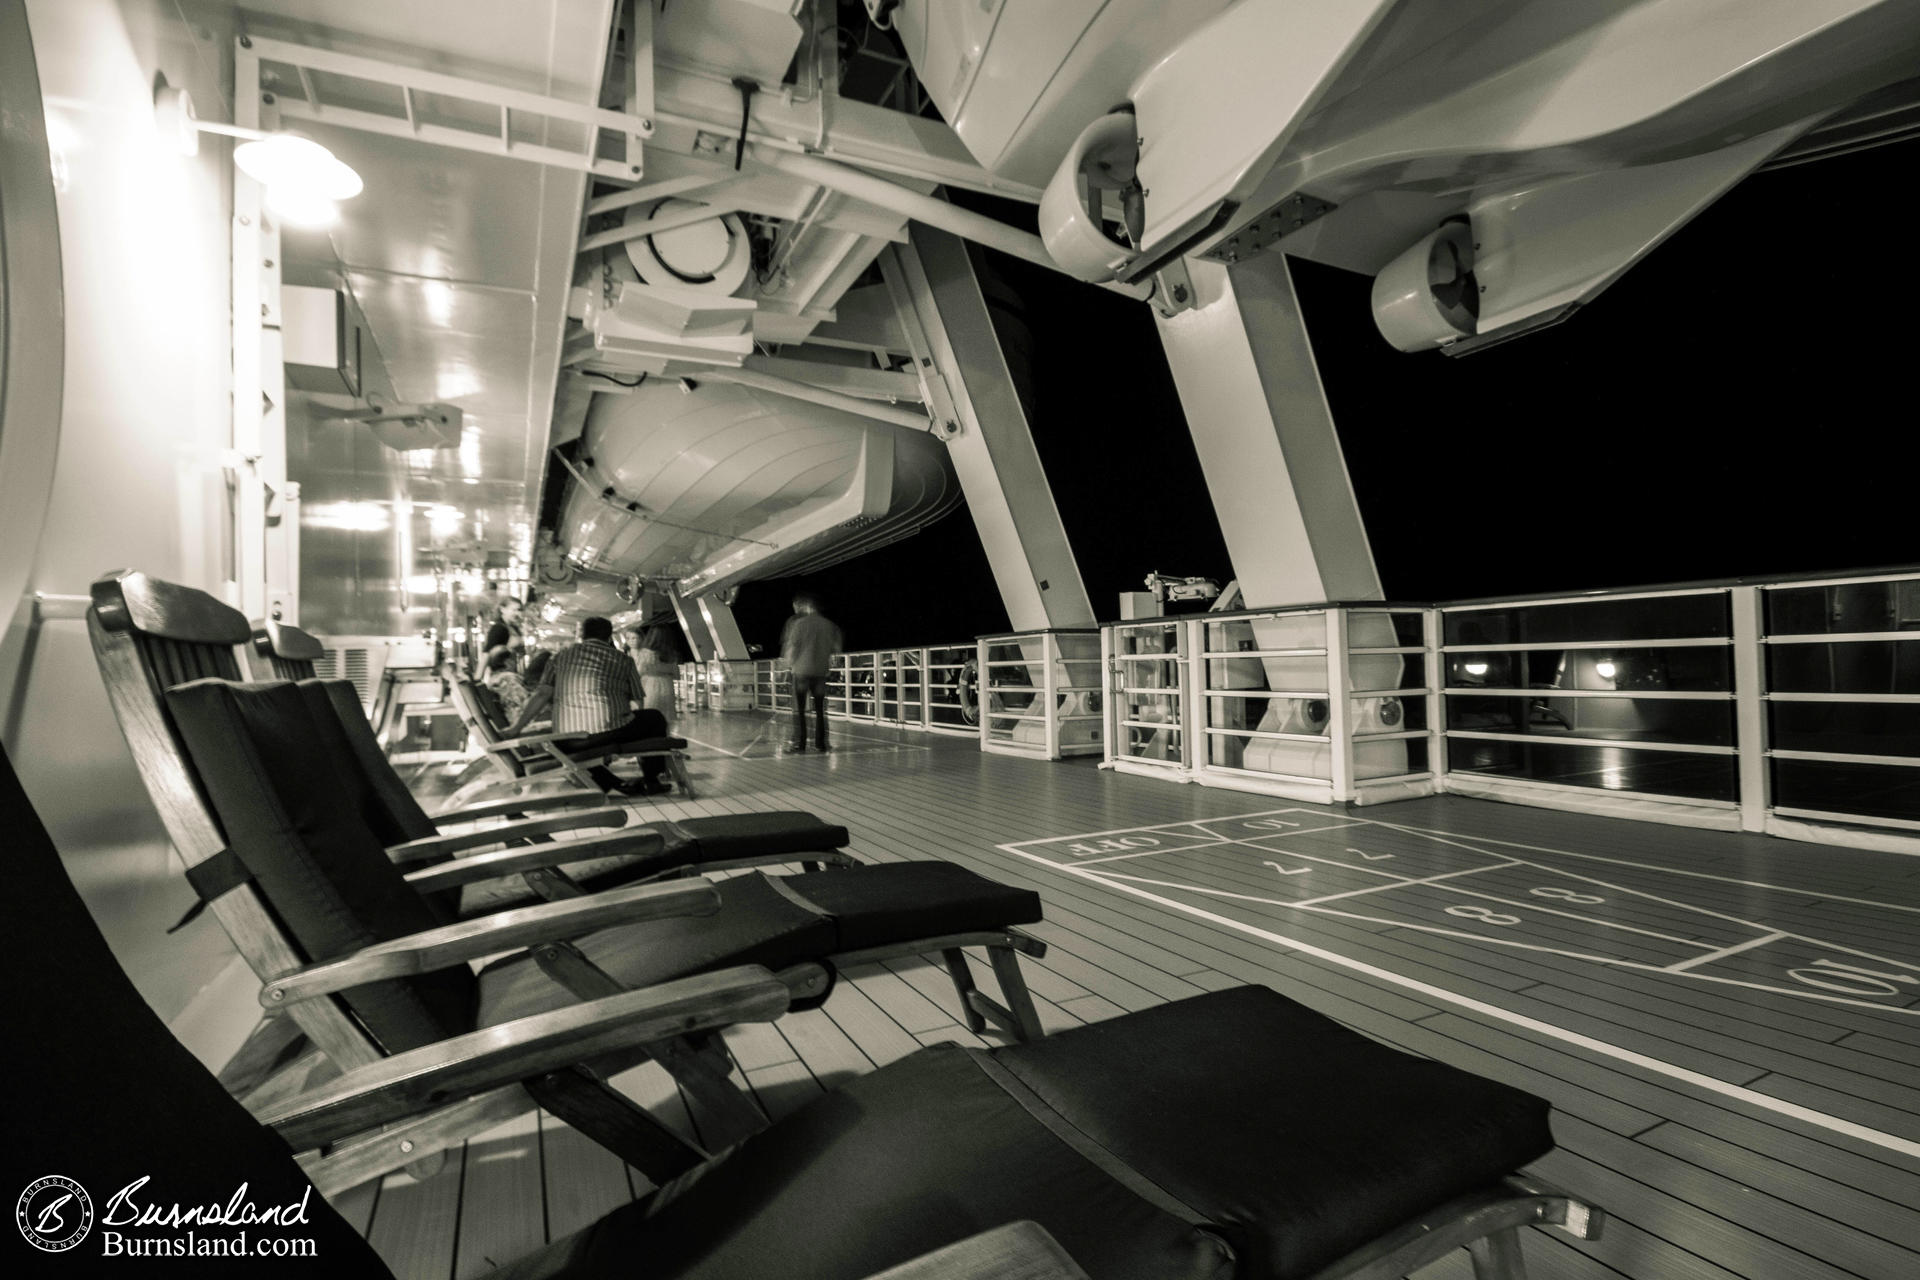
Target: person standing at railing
{"points": [[807, 646]]}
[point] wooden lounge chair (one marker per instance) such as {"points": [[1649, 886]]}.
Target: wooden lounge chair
{"points": [[282, 651], [720, 843], [1236, 1134], [532, 754], [369, 923]]}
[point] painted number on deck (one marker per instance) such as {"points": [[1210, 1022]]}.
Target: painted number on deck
{"points": [[1566, 895], [1851, 979], [1287, 871], [1485, 915], [1268, 824], [1088, 848]]}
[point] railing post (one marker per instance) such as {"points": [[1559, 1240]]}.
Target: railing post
{"points": [[1436, 699], [1109, 696], [983, 706], [1050, 692], [1198, 706], [1750, 708], [1339, 717]]}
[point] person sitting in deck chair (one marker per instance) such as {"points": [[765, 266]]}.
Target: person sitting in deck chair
{"points": [[595, 694], [505, 681]]}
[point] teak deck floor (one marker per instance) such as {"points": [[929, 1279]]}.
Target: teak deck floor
{"points": [[1728, 1027]]}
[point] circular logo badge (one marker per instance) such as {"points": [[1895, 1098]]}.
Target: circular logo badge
{"points": [[54, 1213]]}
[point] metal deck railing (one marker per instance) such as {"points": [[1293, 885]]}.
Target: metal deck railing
{"points": [[1790, 705]]}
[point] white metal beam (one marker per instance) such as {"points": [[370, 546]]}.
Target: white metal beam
{"points": [[967, 383], [1265, 435]]}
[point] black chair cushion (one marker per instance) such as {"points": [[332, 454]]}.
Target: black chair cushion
{"points": [[101, 1092], [1351, 1137], [924, 1152], [884, 903], [389, 808], [753, 835], [756, 924], [258, 754]]}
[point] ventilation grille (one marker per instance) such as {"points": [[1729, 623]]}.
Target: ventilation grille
{"points": [[353, 663]]}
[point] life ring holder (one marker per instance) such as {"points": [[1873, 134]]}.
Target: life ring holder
{"points": [[967, 690]]}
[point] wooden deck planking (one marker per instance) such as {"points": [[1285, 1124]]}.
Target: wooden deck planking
{"points": [[503, 1200], [1700, 1185]]}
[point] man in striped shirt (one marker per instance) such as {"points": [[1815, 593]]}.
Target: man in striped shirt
{"points": [[594, 690]]}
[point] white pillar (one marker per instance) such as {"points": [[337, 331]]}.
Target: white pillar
{"points": [[728, 644], [970, 396], [699, 639], [1265, 436]]}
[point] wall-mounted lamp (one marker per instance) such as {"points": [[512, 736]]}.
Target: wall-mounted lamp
{"points": [[304, 181]]}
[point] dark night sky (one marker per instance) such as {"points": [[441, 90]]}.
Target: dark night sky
{"points": [[1737, 404]]}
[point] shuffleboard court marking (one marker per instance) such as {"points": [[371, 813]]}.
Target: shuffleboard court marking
{"points": [[1654, 866], [1159, 826], [1699, 1080], [1681, 966], [1400, 883], [1149, 853]]}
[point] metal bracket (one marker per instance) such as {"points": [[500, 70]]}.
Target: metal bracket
{"points": [[1267, 229], [1172, 289]]}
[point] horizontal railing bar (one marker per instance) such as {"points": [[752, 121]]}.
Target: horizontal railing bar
{"points": [[1537, 645], [1840, 582], [1841, 637], [1845, 757], [1559, 740], [1478, 606], [1526, 784], [1216, 655], [1227, 770], [1858, 819], [1695, 695], [1841, 697], [1292, 694], [1266, 733]]}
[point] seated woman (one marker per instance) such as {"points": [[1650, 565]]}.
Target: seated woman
{"points": [[505, 681]]}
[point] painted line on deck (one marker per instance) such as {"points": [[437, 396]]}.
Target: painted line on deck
{"points": [[1683, 965], [1403, 883], [1699, 1080], [1162, 826], [1649, 866]]}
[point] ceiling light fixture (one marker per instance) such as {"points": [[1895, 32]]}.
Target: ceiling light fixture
{"points": [[304, 181]]}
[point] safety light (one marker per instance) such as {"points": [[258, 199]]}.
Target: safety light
{"points": [[1604, 669], [1474, 668], [304, 181]]}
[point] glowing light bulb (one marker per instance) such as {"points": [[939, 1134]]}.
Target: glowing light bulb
{"points": [[1475, 668], [1604, 669], [296, 163]]}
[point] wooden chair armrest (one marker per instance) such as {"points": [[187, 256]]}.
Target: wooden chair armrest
{"points": [[441, 846], [401, 1086], [523, 805], [525, 740], [1013, 1251], [453, 944], [508, 862]]}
